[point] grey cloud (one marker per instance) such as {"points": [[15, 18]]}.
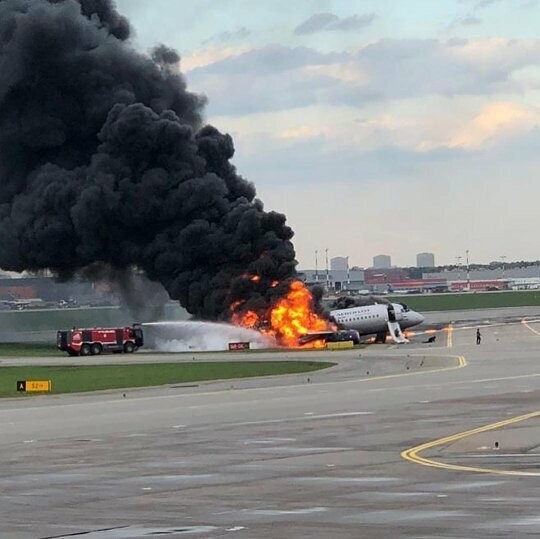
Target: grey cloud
{"points": [[485, 3], [268, 60], [471, 20], [314, 161], [222, 37], [480, 4], [354, 22], [456, 42], [279, 77], [330, 21], [316, 22]]}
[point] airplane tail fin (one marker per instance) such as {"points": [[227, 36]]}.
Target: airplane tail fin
{"points": [[396, 333]]}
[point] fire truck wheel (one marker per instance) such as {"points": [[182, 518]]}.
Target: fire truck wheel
{"points": [[129, 348], [96, 349], [85, 350]]}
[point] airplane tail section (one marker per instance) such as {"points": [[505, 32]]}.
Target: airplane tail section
{"points": [[396, 334]]}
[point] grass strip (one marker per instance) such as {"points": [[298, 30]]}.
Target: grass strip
{"points": [[478, 300], [29, 350], [74, 379], [54, 319]]}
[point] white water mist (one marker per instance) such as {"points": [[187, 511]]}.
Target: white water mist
{"points": [[186, 336]]}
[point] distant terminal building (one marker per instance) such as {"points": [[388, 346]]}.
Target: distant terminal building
{"points": [[41, 291], [340, 263], [425, 260], [480, 286], [382, 262], [399, 280], [521, 278], [338, 280], [420, 286], [486, 274], [384, 276]]}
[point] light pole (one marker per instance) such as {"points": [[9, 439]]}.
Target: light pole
{"points": [[468, 271], [458, 261], [503, 258], [316, 266], [327, 272]]}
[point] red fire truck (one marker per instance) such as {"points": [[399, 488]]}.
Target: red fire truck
{"points": [[94, 341]]}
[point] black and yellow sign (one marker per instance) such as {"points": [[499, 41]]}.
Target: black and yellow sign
{"points": [[340, 345], [34, 386], [238, 346]]}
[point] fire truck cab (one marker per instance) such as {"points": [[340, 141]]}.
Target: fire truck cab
{"points": [[94, 341]]}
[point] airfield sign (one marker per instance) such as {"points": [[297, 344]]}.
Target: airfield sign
{"points": [[34, 386]]}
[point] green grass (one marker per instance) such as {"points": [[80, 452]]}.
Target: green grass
{"points": [[73, 379], [29, 350], [471, 300], [53, 319]]}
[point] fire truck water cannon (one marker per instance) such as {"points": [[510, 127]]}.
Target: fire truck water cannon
{"points": [[94, 341]]}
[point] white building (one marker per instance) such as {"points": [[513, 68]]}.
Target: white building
{"points": [[382, 262], [425, 260], [339, 263], [338, 280]]}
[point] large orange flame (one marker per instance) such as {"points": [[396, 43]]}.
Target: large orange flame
{"points": [[288, 320]]}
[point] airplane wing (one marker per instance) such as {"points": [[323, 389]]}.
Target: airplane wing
{"points": [[315, 336]]}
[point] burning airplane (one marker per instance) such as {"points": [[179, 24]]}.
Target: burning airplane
{"points": [[105, 162]]}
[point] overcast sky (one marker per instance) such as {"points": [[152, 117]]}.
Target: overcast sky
{"points": [[376, 126]]}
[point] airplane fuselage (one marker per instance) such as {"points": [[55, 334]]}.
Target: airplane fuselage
{"points": [[373, 319]]}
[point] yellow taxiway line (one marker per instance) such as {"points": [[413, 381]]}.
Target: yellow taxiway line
{"points": [[449, 337], [413, 454]]}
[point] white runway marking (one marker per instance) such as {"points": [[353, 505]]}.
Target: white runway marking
{"points": [[277, 512], [300, 418]]}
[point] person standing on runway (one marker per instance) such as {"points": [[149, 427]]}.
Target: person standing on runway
{"points": [[478, 336]]}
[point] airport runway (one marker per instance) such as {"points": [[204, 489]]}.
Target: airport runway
{"points": [[314, 456], [481, 315]]}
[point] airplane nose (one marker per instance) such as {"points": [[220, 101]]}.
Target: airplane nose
{"points": [[419, 318]]}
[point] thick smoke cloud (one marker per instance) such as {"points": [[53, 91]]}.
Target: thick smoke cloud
{"points": [[104, 160], [144, 299]]}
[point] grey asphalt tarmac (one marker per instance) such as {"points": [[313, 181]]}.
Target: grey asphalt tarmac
{"points": [[314, 456], [481, 315]]}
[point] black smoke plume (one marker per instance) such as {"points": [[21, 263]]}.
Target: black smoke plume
{"points": [[144, 299], [104, 160]]}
